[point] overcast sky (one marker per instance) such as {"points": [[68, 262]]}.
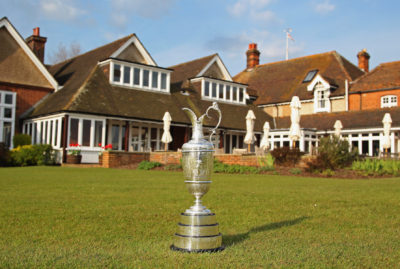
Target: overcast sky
{"points": [[175, 31]]}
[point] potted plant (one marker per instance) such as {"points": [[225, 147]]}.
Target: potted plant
{"points": [[105, 148], [74, 154]]}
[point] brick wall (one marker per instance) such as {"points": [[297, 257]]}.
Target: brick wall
{"points": [[166, 157], [370, 100], [113, 159], [247, 160]]}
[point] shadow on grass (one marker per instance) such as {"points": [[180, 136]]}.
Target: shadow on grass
{"points": [[229, 240]]}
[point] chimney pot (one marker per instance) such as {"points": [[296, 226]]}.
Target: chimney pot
{"points": [[253, 56], [36, 31], [363, 60]]}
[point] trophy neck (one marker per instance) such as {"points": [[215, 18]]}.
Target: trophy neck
{"points": [[197, 131]]}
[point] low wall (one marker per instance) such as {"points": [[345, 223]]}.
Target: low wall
{"points": [[166, 157], [247, 160], [113, 159]]}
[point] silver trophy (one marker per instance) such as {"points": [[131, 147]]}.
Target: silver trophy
{"points": [[198, 230]]}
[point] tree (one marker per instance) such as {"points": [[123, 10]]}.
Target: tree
{"points": [[63, 53]]}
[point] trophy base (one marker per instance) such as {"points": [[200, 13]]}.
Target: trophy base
{"points": [[197, 233]]}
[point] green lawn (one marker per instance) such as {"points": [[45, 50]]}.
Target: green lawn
{"points": [[70, 217]]}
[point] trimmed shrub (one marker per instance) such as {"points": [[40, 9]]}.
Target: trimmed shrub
{"points": [[267, 162], [21, 140], [286, 156], [5, 159], [146, 165], [333, 153], [32, 155]]}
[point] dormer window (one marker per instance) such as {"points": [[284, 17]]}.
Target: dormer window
{"points": [[139, 76], [310, 75], [388, 101], [224, 91], [321, 98]]}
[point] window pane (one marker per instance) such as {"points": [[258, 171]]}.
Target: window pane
{"points": [[221, 91], [146, 74], [30, 129], [73, 136], [154, 80], [123, 130], [51, 133], [241, 95], [86, 133], [41, 133], [115, 136], [207, 89], [135, 139], [136, 76], [234, 94], [34, 133], [117, 73], [127, 74], [8, 99], [214, 90], [56, 133], [163, 81], [98, 131], [7, 133], [153, 136], [228, 92], [45, 132], [7, 113], [144, 138]]}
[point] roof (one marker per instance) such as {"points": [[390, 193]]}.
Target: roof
{"points": [[72, 74], [87, 90], [184, 71], [384, 76], [350, 119], [4, 22], [277, 82]]}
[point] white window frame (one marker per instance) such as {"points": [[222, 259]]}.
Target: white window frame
{"points": [[240, 87], [319, 89], [150, 69], [12, 106], [92, 131], [56, 128], [391, 101]]}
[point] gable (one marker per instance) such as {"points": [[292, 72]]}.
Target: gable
{"points": [[16, 66], [214, 71], [131, 53], [215, 68], [133, 50]]}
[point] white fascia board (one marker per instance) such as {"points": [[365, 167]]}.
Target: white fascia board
{"points": [[221, 66], [317, 79], [134, 40], [21, 42]]}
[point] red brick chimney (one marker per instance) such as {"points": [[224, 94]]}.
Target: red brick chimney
{"points": [[253, 56], [363, 60], [36, 43]]}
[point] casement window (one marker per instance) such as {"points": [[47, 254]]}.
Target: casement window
{"points": [[87, 132], [388, 101], [8, 102], [44, 131], [139, 76], [223, 91], [321, 98]]}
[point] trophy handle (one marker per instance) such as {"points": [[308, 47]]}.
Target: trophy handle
{"points": [[216, 108]]}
